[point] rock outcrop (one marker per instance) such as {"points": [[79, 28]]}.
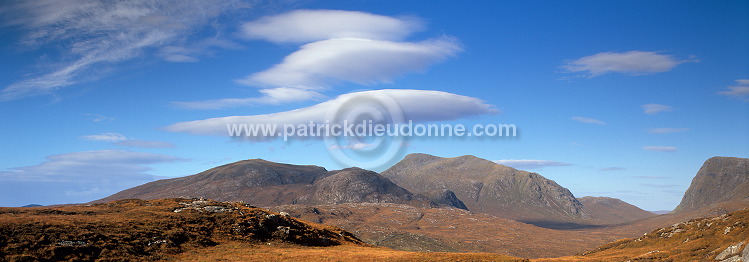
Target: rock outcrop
{"points": [[719, 180]]}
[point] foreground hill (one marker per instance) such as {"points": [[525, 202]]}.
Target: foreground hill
{"points": [[612, 211], [487, 187], [721, 238], [138, 230], [720, 179], [186, 230], [265, 183]]}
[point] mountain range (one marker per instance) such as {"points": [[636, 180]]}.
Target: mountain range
{"points": [[430, 203], [422, 180]]}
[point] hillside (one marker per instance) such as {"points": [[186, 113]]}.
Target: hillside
{"points": [[721, 238], [720, 179], [612, 211], [264, 183], [138, 230], [487, 187], [255, 181], [409, 228]]}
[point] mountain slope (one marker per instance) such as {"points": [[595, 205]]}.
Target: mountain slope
{"points": [[612, 211], [487, 187], [264, 183], [720, 179], [356, 185], [255, 181], [405, 227], [705, 239]]}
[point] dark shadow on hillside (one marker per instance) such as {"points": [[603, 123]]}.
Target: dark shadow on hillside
{"points": [[560, 225]]}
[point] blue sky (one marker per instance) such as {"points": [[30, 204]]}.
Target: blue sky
{"points": [[619, 99]]}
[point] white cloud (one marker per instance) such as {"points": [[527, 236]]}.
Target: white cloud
{"points": [[122, 140], [651, 177], [339, 47], [632, 63], [271, 96], [190, 54], [107, 137], [77, 177], [530, 164], [660, 148], [416, 105], [354, 146], [652, 109], [99, 118], [90, 34], [304, 26], [588, 120], [666, 130], [145, 144], [740, 91], [362, 61]]}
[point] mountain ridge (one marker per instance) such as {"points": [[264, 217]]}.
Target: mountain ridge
{"points": [[485, 186]]}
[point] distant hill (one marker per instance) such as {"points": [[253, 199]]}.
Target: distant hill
{"points": [[265, 183], [409, 228], [32, 205], [487, 187], [719, 180], [612, 210]]}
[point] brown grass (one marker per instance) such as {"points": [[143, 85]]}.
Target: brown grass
{"points": [[139, 230], [239, 251]]}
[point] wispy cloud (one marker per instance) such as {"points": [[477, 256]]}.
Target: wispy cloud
{"points": [[106, 137], [652, 109], [588, 120], [613, 168], [660, 148], [530, 164], [334, 45], [666, 130], [78, 177], [352, 146], [631, 63], [99, 117], [145, 144], [416, 105], [95, 33], [651, 177], [122, 140], [740, 90], [271, 96]]}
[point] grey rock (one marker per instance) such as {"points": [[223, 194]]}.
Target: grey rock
{"points": [[215, 209], [730, 252], [732, 259], [72, 243]]}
